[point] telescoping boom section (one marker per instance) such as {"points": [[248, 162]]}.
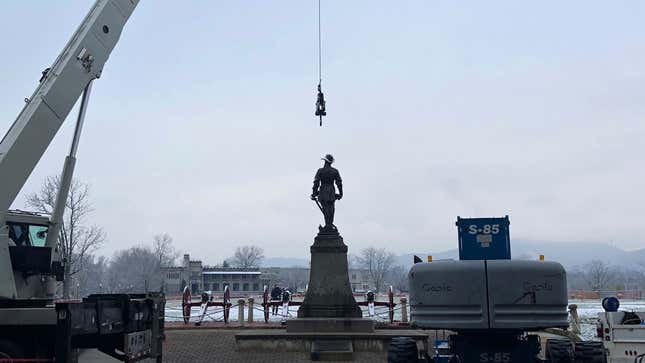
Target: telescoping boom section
{"points": [[33, 328], [80, 62]]}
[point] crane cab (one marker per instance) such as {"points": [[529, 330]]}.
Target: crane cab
{"points": [[29, 256], [27, 229]]}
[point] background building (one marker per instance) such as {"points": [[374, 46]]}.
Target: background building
{"points": [[359, 280], [237, 279], [243, 281], [202, 278]]}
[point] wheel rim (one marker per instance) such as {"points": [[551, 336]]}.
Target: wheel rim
{"points": [[185, 304], [265, 297], [227, 303]]}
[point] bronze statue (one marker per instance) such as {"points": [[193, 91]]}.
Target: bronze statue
{"points": [[324, 193], [320, 105]]}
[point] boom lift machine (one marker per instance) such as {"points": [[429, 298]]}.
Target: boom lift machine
{"points": [[32, 326], [489, 301]]}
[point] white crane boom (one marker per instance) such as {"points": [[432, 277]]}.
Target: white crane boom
{"points": [[80, 62]]}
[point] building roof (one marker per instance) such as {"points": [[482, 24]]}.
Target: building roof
{"points": [[232, 272]]}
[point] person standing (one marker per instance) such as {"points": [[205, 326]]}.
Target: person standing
{"points": [[286, 298], [276, 295], [370, 297]]}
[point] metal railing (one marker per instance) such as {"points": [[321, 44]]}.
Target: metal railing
{"points": [[219, 311]]}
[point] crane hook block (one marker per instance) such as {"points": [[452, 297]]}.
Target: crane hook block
{"points": [[320, 105]]}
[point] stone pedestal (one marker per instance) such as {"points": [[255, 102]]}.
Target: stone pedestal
{"points": [[330, 325], [329, 293]]}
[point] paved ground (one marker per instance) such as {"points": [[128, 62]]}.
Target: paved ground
{"points": [[218, 345]]}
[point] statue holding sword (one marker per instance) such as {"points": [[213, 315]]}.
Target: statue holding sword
{"points": [[324, 192]]}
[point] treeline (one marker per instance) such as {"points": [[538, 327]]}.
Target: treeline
{"points": [[378, 265], [382, 271], [133, 270], [600, 276]]}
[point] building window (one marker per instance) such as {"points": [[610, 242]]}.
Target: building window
{"points": [[245, 287], [256, 287], [236, 286], [215, 287], [353, 276]]}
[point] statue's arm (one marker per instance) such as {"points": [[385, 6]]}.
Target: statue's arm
{"points": [[339, 184], [316, 186]]}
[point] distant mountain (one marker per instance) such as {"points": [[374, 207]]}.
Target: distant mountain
{"points": [[569, 254], [285, 262], [408, 259]]}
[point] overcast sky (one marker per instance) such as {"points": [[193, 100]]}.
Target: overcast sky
{"points": [[202, 124]]}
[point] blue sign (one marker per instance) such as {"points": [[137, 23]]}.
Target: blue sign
{"points": [[484, 238]]}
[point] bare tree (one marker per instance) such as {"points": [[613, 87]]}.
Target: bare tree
{"points": [[352, 261], [247, 256], [92, 278], [377, 262], [164, 250], [76, 238], [136, 269], [294, 279], [598, 275], [398, 277]]}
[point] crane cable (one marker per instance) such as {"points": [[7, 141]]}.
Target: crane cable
{"points": [[320, 98], [319, 48]]}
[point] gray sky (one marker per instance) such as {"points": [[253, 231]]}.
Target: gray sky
{"points": [[202, 125]]}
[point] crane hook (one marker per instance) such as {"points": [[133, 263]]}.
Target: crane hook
{"points": [[320, 105]]}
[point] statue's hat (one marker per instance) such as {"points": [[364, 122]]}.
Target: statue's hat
{"points": [[328, 158]]}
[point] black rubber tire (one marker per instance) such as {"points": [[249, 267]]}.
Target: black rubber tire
{"points": [[402, 350], [559, 351], [9, 349], [590, 352]]}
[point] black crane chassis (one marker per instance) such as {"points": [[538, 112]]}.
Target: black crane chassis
{"points": [[128, 327]]}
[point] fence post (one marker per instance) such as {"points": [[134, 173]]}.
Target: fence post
{"points": [[265, 303], [404, 310], [250, 318], [240, 313], [390, 298]]}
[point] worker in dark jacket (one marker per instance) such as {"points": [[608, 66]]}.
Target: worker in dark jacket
{"points": [[324, 190], [276, 295]]}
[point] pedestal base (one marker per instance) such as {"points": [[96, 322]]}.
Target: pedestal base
{"points": [[278, 340], [330, 325], [332, 350], [329, 293]]}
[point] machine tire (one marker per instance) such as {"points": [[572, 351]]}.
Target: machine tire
{"points": [[9, 349], [559, 351], [402, 350], [590, 352]]}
